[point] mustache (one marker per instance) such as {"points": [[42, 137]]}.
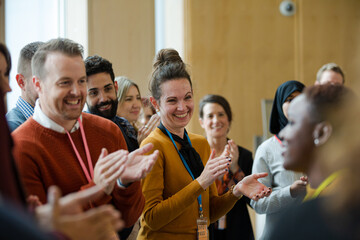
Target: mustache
{"points": [[104, 103]]}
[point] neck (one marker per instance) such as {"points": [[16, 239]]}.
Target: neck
{"points": [[316, 174], [25, 97], [217, 143], [68, 125], [177, 131]]}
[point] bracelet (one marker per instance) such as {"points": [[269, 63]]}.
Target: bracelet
{"points": [[232, 193]]}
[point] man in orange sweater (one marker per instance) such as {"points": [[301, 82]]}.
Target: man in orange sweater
{"points": [[62, 146]]}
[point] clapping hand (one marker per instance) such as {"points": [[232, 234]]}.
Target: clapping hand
{"points": [[215, 167], [139, 164], [67, 216], [145, 130], [108, 168]]}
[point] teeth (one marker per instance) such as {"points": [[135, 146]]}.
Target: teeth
{"points": [[72, 102], [181, 116], [104, 107]]}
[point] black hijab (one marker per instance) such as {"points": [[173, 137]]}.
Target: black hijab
{"points": [[277, 119], [190, 155]]}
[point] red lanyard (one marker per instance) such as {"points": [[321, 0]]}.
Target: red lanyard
{"points": [[278, 140], [88, 177]]}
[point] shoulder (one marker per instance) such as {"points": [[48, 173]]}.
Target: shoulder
{"points": [[26, 128], [15, 113], [201, 145], [244, 152], [98, 123], [15, 118], [269, 145], [158, 138]]}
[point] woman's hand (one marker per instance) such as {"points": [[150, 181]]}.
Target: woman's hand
{"points": [[251, 187], [213, 169], [144, 131], [299, 187], [234, 155]]}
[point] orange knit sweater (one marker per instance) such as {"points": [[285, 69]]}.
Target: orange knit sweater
{"points": [[45, 157]]}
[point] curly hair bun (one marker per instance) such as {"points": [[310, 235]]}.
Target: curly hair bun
{"points": [[166, 56]]}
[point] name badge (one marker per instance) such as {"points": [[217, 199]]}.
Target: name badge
{"points": [[202, 231]]}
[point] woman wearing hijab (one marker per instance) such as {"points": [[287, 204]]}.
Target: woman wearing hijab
{"points": [[288, 187]]}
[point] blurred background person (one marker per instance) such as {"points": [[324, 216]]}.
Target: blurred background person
{"points": [[129, 107], [146, 112], [323, 141], [288, 187], [330, 73], [216, 118], [26, 102]]}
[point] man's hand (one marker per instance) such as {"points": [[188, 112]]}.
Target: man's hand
{"points": [[66, 215], [108, 168], [139, 164]]}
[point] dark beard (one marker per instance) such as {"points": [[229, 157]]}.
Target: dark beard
{"points": [[109, 114]]}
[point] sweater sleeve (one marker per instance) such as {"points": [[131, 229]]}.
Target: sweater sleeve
{"points": [[220, 205], [280, 196], [129, 201], [158, 211]]}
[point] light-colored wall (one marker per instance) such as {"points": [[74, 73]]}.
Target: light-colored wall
{"points": [[123, 32]]}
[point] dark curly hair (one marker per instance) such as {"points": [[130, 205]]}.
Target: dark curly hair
{"points": [[96, 64]]}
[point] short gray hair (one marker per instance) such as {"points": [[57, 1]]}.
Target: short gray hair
{"points": [[332, 67], [61, 45], [26, 54]]}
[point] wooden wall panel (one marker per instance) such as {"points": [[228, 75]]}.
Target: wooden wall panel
{"points": [[242, 50], [329, 32], [2, 21], [124, 32]]}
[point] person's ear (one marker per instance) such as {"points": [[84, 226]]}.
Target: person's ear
{"points": [[20, 79], [155, 104], [37, 84], [116, 86], [322, 133], [201, 123]]}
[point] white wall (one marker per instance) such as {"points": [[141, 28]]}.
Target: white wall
{"points": [[40, 20], [169, 25]]}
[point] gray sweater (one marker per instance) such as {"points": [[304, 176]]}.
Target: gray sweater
{"points": [[268, 159]]}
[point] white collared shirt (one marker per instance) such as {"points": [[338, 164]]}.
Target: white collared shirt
{"points": [[40, 117]]}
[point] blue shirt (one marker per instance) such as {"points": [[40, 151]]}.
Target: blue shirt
{"points": [[19, 114]]}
